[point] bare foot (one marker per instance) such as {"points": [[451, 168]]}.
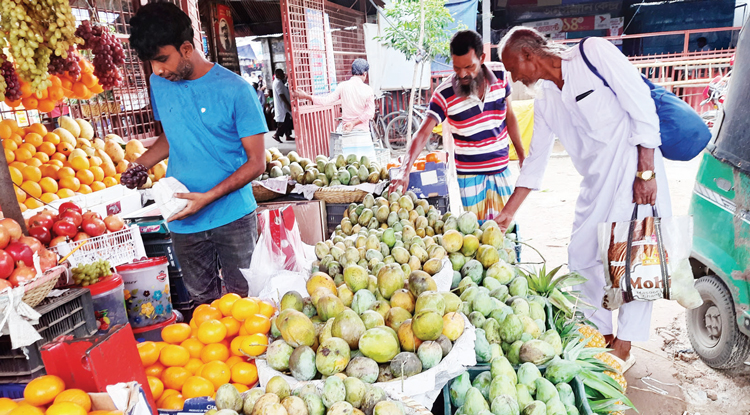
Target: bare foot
{"points": [[609, 338], [621, 349]]}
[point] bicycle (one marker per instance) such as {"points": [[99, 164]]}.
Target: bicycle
{"points": [[380, 122], [397, 136]]}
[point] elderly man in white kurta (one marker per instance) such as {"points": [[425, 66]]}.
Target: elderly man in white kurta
{"points": [[612, 137]]}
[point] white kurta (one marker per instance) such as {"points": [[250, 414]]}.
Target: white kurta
{"points": [[600, 131]]}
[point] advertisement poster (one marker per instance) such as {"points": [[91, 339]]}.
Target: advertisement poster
{"points": [[316, 41], [571, 24], [331, 61], [226, 48]]}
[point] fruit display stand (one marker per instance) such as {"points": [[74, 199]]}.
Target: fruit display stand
{"points": [[113, 200], [70, 314]]}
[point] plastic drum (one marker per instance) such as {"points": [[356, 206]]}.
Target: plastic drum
{"points": [[147, 295], [109, 303]]}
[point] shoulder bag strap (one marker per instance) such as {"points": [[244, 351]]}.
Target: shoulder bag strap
{"points": [[591, 66], [628, 294]]}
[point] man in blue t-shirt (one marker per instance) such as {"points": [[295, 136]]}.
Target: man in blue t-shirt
{"points": [[213, 135]]}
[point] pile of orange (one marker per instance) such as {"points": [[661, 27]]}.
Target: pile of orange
{"points": [[46, 395], [216, 348], [85, 86], [42, 169]]}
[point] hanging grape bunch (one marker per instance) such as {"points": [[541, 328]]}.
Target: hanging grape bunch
{"points": [[36, 30], [58, 65], [12, 89], [107, 50]]}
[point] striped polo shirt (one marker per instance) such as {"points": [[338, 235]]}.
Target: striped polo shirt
{"points": [[478, 127]]}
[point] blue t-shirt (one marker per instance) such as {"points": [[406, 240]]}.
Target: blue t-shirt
{"points": [[204, 121]]}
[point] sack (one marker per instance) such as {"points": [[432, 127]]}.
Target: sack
{"points": [[647, 260], [683, 133]]}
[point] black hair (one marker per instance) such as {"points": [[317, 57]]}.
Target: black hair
{"points": [[464, 40], [279, 72], [702, 38], [156, 25]]}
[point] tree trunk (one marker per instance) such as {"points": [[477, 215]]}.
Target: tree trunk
{"points": [[415, 78]]}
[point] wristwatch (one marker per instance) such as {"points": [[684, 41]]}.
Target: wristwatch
{"points": [[645, 175]]}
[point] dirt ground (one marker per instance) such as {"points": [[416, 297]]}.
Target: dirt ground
{"points": [[668, 377]]}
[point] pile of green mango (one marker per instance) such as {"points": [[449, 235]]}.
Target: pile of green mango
{"points": [[347, 171], [502, 390]]}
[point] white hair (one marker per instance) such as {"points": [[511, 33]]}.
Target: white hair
{"points": [[526, 37]]}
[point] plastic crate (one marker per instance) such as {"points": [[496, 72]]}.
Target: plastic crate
{"points": [[12, 390], [334, 215], [118, 248], [582, 402], [178, 290], [514, 229], [69, 314], [441, 203], [162, 246]]}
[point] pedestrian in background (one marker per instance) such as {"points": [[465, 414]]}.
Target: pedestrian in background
{"points": [[282, 106]]}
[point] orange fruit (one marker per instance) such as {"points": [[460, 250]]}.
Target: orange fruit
{"points": [[85, 189], [16, 138], [98, 173], [193, 346], [240, 388], [5, 131], [80, 89], [59, 157], [155, 370], [243, 331], [43, 94], [56, 93], [214, 351], [15, 175], [71, 183], [197, 386], [89, 79], [65, 193], [85, 176], [25, 90], [203, 314], [76, 396], [234, 346], [175, 333], [267, 309], [175, 402], [42, 157], [34, 161], [66, 172], [257, 323], [232, 325], [53, 161], [20, 196], [7, 404], [19, 165], [47, 148], [95, 161], [43, 390], [193, 365], [254, 344], [33, 203], [217, 373], [79, 163], [48, 185], [28, 146], [9, 155], [156, 386], [148, 352], [244, 308], [173, 355], [109, 181], [13, 104], [32, 189], [226, 302], [65, 148], [51, 138], [30, 103], [215, 304], [10, 144], [212, 331], [46, 105], [22, 154], [175, 377], [49, 197], [233, 360], [26, 409], [50, 171], [37, 128], [34, 139], [65, 408], [244, 373], [32, 173], [166, 394]]}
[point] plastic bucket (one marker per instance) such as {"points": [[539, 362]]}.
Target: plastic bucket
{"points": [[108, 297], [147, 295], [153, 333]]}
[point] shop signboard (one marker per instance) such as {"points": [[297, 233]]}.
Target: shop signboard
{"points": [[316, 43], [331, 61], [571, 24], [526, 13], [226, 48]]}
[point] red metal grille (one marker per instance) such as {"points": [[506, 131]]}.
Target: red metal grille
{"points": [[313, 124]]}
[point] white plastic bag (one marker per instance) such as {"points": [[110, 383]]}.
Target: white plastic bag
{"points": [[163, 192]]}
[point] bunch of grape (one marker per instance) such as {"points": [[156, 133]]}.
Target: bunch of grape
{"points": [[135, 176], [28, 46], [57, 18], [58, 65], [88, 274], [107, 50], [12, 83]]}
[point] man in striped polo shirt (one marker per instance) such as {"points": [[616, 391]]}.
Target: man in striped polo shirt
{"points": [[475, 102]]}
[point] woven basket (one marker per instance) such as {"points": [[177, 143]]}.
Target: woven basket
{"points": [[262, 194], [37, 290], [336, 195]]}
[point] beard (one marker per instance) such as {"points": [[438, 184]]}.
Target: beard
{"points": [[184, 71], [472, 87]]}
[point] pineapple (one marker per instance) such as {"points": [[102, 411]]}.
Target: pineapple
{"points": [[617, 374], [596, 338]]}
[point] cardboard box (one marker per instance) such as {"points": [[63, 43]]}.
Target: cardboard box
{"points": [[430, 182], [310, 214], [192, 406]]}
